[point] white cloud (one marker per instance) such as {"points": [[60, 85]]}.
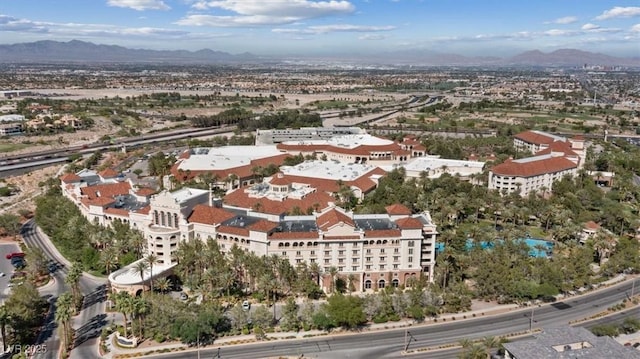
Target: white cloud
{"points": [[635, 28], [372, 37], [619, 11], [349, 28], [234, 21], [9, 23], [558, 32], [285, 8], [260, 12], [564, 20], [324, 29], [588, 27], [140, 5]]}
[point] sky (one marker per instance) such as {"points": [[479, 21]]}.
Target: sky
{"points": [[332, 27]]}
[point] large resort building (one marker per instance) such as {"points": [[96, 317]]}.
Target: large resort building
{"points": [[379, 250], [554, 158]]}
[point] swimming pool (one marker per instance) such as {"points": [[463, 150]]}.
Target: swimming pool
{"points": [[537, 247]]}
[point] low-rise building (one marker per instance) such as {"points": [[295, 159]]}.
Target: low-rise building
{"points": [[536, 174], [568, 343], [434, 167], [361, 148], [270, 137]]}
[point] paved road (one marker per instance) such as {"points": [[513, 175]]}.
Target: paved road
{"points": [[92, 318], [388, 344]]}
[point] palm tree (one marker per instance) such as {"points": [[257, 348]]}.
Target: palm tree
{"points": [[5, 318], [109, 259], [141, 267], [333, 271], [124, 304], [163, 285], [150, 259], [315, 270], [64, 311], [489, 344], [140, 308], [73, 280]]}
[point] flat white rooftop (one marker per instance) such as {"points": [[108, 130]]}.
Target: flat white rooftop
{"points": [[328, 170], [129, 275], [533, 159], [222, 158], [185, 194], [432, 162], [346, 141]]}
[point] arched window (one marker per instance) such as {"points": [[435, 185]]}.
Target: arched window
{"points": [[163, 219], [175, 220], [367, 284], [381, 284], [395, 283]]}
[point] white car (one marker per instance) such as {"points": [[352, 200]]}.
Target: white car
{"points": [[2, 274], [246, 305]]}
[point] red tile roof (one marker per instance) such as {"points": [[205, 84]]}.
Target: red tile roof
{"points": [[558, 146], [234, 230], [398, 209], [117, 212], [263, 226], [108, 173], [279, 180], [533, 168], [146, 191], [383, 233], [592, 225], [209, 215], [341, 238], [333, 217], [70, 177], [534, 138], [409, 223], [106, 190], [315, 201], [294, 235], [144, 210]]}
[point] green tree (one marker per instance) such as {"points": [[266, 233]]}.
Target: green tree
{"points": [[73, 280], [345, 311], [5, 320], [64, 312]]}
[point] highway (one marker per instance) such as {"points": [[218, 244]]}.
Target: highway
{"points": [[388, 344], [92, 318]]}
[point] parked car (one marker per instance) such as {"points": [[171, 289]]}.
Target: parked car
{"points": [[246, 305], [15, 255]]}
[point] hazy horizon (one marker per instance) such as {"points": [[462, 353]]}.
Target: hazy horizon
{"points": [[332, 27]]}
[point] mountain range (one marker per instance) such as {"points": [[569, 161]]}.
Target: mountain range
{"points": [[76, 51]]}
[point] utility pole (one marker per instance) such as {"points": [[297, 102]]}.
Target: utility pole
{"points": [[407, 340]]}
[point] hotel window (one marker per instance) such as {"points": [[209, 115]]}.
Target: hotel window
{"points": [[395, 266], [326, 245], [340, 253], [341, 245], [382, 267], [381, 250], [396, 250], [312, 260], [284, 253], [298, 261], [313, 253], [340, 269], [396, 258], [368, 266], [354, 268], [326, 261], [340, 260], [354, 260], [410, 259], [411, 243], [368, 259], [327, 253], [382, 259], [297, 253], [355, 253], [410, 250]]}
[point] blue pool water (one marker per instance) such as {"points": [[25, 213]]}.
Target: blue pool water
{"points": [[533, 243]]}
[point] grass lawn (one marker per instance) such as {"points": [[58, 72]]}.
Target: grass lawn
{"points": [[10, 147]]}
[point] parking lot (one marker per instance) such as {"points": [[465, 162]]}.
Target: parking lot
{"points": [[6, 267]]}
